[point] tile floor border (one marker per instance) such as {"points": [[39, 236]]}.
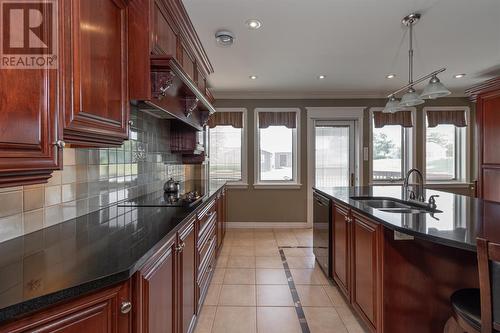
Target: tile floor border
{"points": [[295, 296]]}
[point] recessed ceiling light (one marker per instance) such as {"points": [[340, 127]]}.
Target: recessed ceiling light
{"points": [[459, 76], [390, 76], [254, 24], [253, 77], [321, 77]]}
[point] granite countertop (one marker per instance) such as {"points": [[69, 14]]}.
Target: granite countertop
{"points": [[83, 254], [461, 221]]}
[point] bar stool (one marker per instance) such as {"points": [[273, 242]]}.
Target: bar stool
{"points": [[478, 310]]}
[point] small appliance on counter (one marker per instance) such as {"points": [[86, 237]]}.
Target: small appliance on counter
{"points": [[171, 186], [165, 199]]}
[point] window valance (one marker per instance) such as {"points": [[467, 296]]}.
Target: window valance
{"points": [[403, 118], [453, 117], [287, 119], [234, 119]]}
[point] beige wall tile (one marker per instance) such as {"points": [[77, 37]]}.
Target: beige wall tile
{"points": [[11, 226], [69, 156], [52, 195], [33, 220], [33, 198], [68, 192], [11, 203], [55, 179]]}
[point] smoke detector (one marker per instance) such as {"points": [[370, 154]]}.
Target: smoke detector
{"points": [[224, 38]]}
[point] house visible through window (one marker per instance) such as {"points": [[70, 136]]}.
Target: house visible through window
{"points": [[277, 147], [391, 145], [445, 145], [226, 147]]}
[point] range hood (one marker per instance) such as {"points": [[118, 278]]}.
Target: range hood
{"points": [[174, 95]]}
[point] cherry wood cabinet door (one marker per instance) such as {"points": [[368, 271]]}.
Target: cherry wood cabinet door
{"points": [[187, 277], [164, 34], [340, 248], [97, 313], [155, 292], [489, 120], [96, 81], [220, 220], [28, 126], [366, 268]]}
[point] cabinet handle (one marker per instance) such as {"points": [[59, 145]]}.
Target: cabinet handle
{"points": [[210, 214], [210, 268], [125, 307], [60, 144], [178, 248], [183, 245]]}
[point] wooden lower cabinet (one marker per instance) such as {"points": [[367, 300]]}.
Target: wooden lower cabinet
{"points": [[154, 291], [106, 311], [164, 295], [357, 264], [366, 269], [187, 275], [340, 248]]}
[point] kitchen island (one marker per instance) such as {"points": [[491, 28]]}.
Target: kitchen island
{"points": [[398, 270]]}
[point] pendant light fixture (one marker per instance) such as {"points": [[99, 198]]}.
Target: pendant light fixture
{"points": [[433, 90]]}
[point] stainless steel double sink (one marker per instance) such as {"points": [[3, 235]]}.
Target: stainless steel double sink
{"points": [[393, 205]]}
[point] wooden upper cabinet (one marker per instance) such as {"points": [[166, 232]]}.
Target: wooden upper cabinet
{"points": [[164, 37], [96, 109], [29, 107], [107, 311]]}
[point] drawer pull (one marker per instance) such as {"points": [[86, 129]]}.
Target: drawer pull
{"points": [[178, 248], [210, 268], [125, 307], [210, 214]]}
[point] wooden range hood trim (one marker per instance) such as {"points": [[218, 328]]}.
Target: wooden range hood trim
{"points": [[177, 69]]}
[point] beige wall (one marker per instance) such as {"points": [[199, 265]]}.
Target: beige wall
{"points": [[261, 205]]}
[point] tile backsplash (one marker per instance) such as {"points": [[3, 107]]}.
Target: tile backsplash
{"points": [[94, 178]]}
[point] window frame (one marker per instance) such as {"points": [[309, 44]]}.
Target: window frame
{"points": [[463, 152], [243, 183], [408, 151], [277, 184]]}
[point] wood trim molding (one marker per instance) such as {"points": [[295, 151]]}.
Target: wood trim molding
{"points": [[481, 88]]}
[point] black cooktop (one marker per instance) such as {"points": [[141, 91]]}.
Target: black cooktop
{"points": [[164, 199]]}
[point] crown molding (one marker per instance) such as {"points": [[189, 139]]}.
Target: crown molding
{"points": [[303, 95]]}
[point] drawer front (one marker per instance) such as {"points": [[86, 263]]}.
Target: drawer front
{"points": [[207, 242], [205, 216], [204, 282], [206, 263]]}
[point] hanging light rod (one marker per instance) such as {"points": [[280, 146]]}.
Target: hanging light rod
{"points": [[417, 81], [434, 89]]}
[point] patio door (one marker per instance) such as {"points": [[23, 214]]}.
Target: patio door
{"points": [[334, 153]]}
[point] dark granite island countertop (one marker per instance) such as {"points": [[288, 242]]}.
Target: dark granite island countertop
{"points": [[83, 254], [461, 221]]}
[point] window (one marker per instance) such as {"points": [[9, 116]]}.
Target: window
{"points": [[276, 146], [391, 152], [445, 148], [227, 148]]}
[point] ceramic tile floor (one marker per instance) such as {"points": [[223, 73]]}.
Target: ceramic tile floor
{"points": [[249, 292]]}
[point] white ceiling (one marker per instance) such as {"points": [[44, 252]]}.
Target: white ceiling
{"points": [[355, 43]]}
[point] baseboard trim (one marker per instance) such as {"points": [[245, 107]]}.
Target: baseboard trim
{"points": [[258, 225]]}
